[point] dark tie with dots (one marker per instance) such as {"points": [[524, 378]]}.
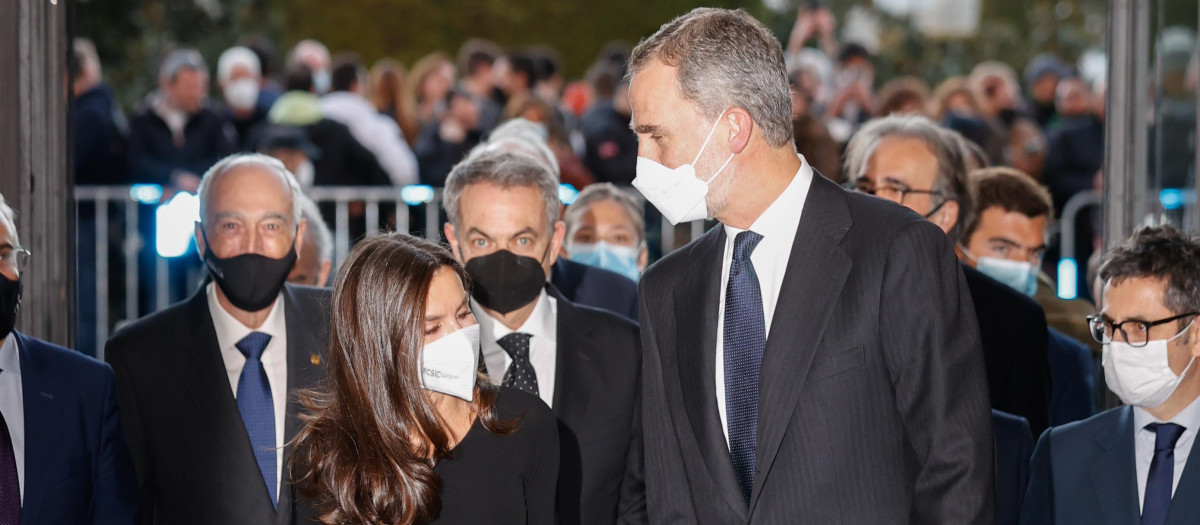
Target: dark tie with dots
{"points": [[745, 336], [520, 373], [10, 490], [1162, 473], [257, 407]]}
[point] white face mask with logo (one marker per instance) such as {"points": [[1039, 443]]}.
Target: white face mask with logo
{"points": [[449, 364], [676, 192], [1142, 376]]}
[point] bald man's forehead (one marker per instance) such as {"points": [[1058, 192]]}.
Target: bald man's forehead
{"points": [[250, 183]]}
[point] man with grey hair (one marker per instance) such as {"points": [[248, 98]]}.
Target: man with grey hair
{"points": [[855, 407], [909, 160], [176, 135], [583, 363], [239, 74], [315, 261], [606, 228], [204, 385], [63, 457]]}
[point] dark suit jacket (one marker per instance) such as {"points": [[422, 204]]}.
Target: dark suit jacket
{"points": [[596, 400], [1084, 473], [1013, 330], [872, 406], [595, 287], [77, 466], [1014, 446], [1073, 395], [192, 454]]}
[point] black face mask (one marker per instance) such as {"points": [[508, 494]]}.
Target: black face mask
{"points": [[505, 281], [10, 304], [250, 281]]}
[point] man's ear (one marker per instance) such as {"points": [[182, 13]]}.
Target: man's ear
{"points": [[947, 216], [452, 239], [741, 127], [300, 233], [201, 246]]}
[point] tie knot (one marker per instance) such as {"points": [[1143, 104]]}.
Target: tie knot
{"points": [[515, 344], [1165, 435], [744, 244], [252, 345]]}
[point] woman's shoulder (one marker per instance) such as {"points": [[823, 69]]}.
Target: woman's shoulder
{"points": [[512, 404]]}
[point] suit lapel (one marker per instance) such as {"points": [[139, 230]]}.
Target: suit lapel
{"points": [[1113, 474], [697, 305], [1186, 507], [40, 439], [202, 375], [816, 271], [572, 378]]}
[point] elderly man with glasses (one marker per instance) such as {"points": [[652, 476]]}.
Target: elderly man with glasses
{"points": [[1091, 471], [909, 160]]}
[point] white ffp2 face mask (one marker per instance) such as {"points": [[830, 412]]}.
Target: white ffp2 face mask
{"points": [[449, 364], [242, 94], [1142, 376], [676, 192]]}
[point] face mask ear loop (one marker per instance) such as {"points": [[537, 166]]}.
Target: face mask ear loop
{"points": [[709, 137]]}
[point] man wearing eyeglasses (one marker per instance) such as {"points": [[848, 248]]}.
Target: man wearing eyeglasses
{"points": [[63, 457], [909, 160], [1126, 465]]}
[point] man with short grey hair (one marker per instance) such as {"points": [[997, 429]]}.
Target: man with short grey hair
{"points": [[176, 136], [855, 407], [583, 363], [909, 160], [204, 385]]}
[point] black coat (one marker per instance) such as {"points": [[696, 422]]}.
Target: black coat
{"points": [[1013, 329], [190, 449], [598, 405], [872, 399], [153, 155], [99, 139]]}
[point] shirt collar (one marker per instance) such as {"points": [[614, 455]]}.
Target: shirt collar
{"points": [[1188, 418], [230, 330], [541, 322], [10, 360], [782, 218]]}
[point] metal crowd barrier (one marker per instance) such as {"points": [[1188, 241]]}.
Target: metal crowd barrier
{"points": [[115, 221]]}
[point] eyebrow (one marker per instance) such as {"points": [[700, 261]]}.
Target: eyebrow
{"points": [[523, 231], [466, 302], [897, 182], [648, 129], [1008, 242]]}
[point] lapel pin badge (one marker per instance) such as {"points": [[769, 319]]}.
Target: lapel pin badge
{"points": [[314, 359]]}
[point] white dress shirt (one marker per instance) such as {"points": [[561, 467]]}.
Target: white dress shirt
{"points": [[274, 359], [777, 225], [543, 344], [1143, 443], [12, 403]]}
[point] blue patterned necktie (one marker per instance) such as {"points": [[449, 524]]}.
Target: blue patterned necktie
{"points": [[745, 337], [1162, 473], [10, 490], [257, 407], [520, 373]]}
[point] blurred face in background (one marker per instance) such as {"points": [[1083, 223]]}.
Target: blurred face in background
{"points": [[464, 110], [437, 83], [187, 91], [1074, 98], [607, 221], [1043, 88]]}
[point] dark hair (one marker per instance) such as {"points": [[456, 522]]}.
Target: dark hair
{"points": [[1010, 190], [852, 50], [347, 68], [522, 63], [1159, 252], [299, 78], [547, 62], [370, 441]]}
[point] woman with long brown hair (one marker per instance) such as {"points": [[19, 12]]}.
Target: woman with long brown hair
{"points": [[407, 430]]}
